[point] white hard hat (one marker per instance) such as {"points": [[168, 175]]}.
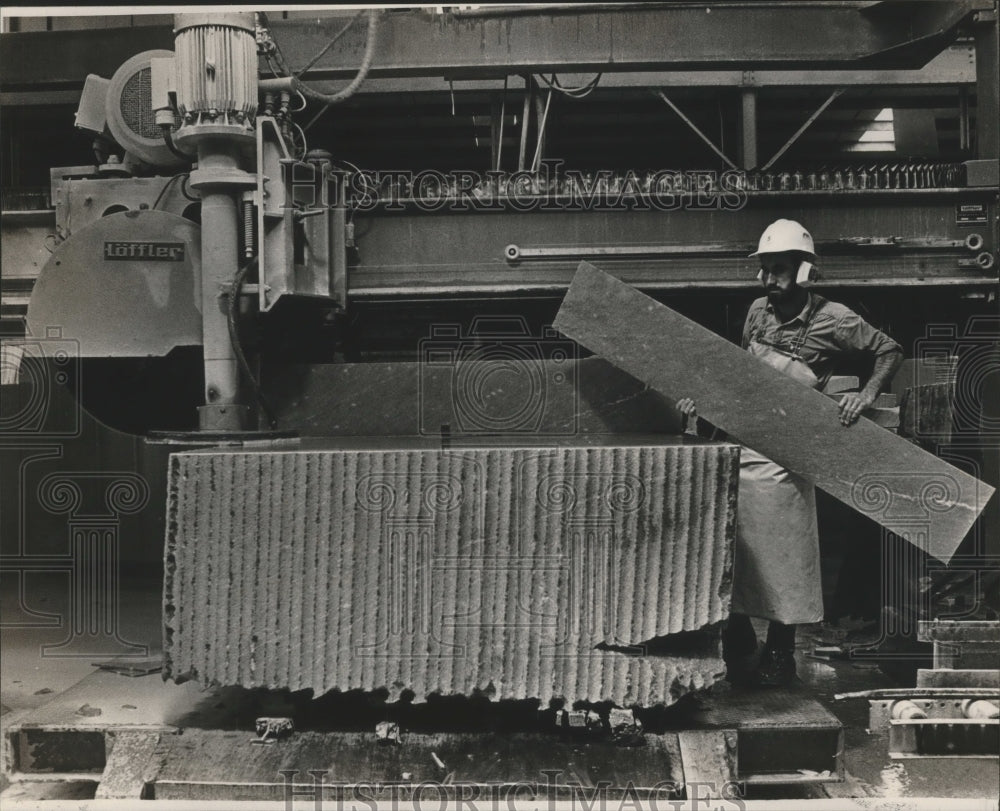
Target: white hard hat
{"points": [[785, 235]]}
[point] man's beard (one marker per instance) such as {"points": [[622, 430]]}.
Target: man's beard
{"points": [[776, 294]]}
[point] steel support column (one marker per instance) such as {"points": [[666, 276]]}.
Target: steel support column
{"points": [[748, 127], [987, 31]]}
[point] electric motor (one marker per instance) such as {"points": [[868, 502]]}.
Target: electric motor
{"points": [[216, 64]]}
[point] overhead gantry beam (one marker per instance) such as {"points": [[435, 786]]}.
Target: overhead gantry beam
{"points": [[790, 35], [899, 35]]}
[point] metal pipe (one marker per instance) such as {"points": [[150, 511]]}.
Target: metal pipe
{"points": [[525, 114], [219, 262], [514, 253]]}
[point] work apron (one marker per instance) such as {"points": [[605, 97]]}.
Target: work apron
{"points": [[776, 571]]}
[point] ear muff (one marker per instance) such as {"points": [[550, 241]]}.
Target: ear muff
{"points": [[805, 274]]}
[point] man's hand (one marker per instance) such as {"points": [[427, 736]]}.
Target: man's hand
{"points": [[851, 406], [690, 414]]}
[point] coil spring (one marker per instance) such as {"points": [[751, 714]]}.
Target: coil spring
{"points": [[249, 222]]}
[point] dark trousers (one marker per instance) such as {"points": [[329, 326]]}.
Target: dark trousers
{"points": [[739, 639]]}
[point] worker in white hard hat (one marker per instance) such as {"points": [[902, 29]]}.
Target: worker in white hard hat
{"points": [[776, 571]]}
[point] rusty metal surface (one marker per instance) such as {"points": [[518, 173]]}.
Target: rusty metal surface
{"points": [[131, 764], [205, 764], [959, 631], [490, 570], [947, 677], [779, 732]]}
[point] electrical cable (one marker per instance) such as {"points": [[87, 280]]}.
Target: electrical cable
{"points": [[234, 338], [329, 45], [367, 186], [580, 92], [348, 91], [184, 188], [166, 186], [302, 135], [168, 139]]}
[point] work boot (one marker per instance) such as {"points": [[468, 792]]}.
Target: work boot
{"points": [[776, 668]]}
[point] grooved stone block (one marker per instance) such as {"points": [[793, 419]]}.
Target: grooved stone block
{"points": [[519, 572], [905, 489]]}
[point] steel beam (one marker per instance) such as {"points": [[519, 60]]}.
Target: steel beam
{"points": [[987, 85], [681, 37], [811, 37], [748, 128], [66, 57]]}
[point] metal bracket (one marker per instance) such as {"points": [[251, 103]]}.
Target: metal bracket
{"points": [[708, 141], [832, 98], [275, 224]]}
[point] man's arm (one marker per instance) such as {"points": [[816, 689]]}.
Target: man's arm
{"points": [[886, 364], [856, 334]]}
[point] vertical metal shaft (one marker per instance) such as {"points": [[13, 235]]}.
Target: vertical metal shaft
{"points": [[219, 261], [216, 62]]}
